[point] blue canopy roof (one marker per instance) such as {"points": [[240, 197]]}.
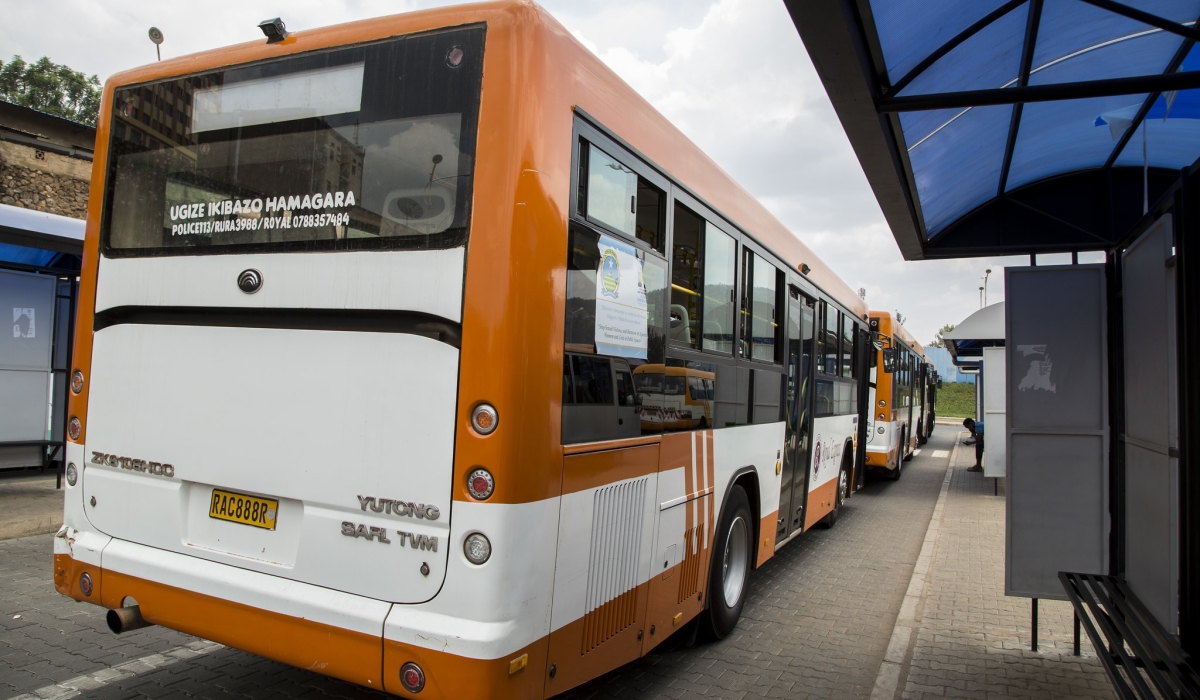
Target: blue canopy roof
{"points": [[39, 241], [962, 113]]}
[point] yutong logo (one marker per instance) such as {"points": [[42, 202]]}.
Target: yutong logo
{"points": [[412, 510], [394, 507], [137, 465], [250, 281]]}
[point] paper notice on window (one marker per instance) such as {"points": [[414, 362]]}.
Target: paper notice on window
{"points": [[621, 309]]}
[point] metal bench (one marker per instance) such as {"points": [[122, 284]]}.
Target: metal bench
{"points": [[1139, 655], [48, 455]]}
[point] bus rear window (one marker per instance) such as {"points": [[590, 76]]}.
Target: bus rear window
{"points": [[371, 146]]}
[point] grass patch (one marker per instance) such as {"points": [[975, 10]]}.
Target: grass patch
{"points": [[956, 401]]}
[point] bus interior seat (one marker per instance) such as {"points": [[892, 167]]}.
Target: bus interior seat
{"points": [[681, 325]]}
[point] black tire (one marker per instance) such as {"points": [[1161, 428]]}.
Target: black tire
{"points": [[843, 490], [895, 475], [922, 438], [727, 558]]}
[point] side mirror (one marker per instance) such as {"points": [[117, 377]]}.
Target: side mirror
{"points": [[939, 384]]}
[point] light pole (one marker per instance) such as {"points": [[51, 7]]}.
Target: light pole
{"points": [[157, 37], [981, 297], [985, 281]]}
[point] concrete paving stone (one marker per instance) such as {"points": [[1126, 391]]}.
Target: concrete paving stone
{"points": [[817, 621]]}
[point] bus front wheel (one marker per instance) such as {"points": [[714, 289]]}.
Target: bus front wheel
{"points": [[729, 575]]}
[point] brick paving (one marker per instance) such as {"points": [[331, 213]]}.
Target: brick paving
{"points": [[970, 640], [29, 504], [817, 623]]}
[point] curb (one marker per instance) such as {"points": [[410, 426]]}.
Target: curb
{"points": [[896, 658], [25, 528]]}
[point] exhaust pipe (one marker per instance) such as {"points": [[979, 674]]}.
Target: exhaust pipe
{"points": [[125, 619]]}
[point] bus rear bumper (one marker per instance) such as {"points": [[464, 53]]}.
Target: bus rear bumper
{"points": [[877, 459], [329, 632]]}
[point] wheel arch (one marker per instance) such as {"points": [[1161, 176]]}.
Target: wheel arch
{"points": [[747, 478]]}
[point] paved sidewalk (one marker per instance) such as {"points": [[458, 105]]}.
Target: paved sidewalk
{"points": [[959, 636], [29, 504]]}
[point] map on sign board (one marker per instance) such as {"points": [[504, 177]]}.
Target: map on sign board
{"points": [[621, 309], [1038, 376], [23, 323]]}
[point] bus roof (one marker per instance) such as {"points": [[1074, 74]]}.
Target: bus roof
{"points": [[607, 98], [899, 330]]}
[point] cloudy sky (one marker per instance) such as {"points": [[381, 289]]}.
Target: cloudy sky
{"points": [[731, 74]]}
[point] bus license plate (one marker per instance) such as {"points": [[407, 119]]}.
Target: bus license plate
{"points": [[240, 508]]}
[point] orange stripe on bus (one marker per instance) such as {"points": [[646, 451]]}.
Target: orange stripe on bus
{"points": [[766, 530], [595, 469], [820, 502]]}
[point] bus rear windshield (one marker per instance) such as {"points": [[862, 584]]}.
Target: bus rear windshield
{"points": [[369, 146]]}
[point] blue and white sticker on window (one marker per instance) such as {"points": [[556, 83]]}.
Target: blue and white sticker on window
{"points": [[621, 309]]}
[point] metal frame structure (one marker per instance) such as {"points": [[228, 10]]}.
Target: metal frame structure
{"points": [[1103, 202], [1103, 208], [27, 232]]}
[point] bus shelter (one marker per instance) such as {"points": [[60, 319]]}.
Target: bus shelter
{"points": [[977, 344], [40, 257], [1026, 127], [982, 329]]}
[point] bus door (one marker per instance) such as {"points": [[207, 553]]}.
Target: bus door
{"points": [[798, 432]]}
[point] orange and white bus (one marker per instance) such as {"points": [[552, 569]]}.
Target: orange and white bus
{"points": [[370, 319], [902, 394]]}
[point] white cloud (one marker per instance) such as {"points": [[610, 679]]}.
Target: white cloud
{"points": [[731, 74]]}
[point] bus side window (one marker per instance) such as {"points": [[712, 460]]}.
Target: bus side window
{"points": [[593, 380], [821, 344], [625, 390], [761, 284], [826, 401], [720, 266], [618, 198], [687, 263], [568, 386], [832, 346], [847, 346]]}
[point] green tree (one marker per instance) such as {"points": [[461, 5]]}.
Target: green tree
{"points": [[899, 318], [52, 88], [938, 340]]}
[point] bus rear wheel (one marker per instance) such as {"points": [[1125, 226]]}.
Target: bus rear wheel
{"points": [[729, 574], [895, 475]]}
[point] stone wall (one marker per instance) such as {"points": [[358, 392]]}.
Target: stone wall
{"points": [[52, 183]]}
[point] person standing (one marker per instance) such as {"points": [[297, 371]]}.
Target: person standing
{"points": [[976, 429]]}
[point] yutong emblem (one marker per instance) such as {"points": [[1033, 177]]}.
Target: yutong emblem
{"points": [[250, 281], [137, 465], [394, 507]]}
